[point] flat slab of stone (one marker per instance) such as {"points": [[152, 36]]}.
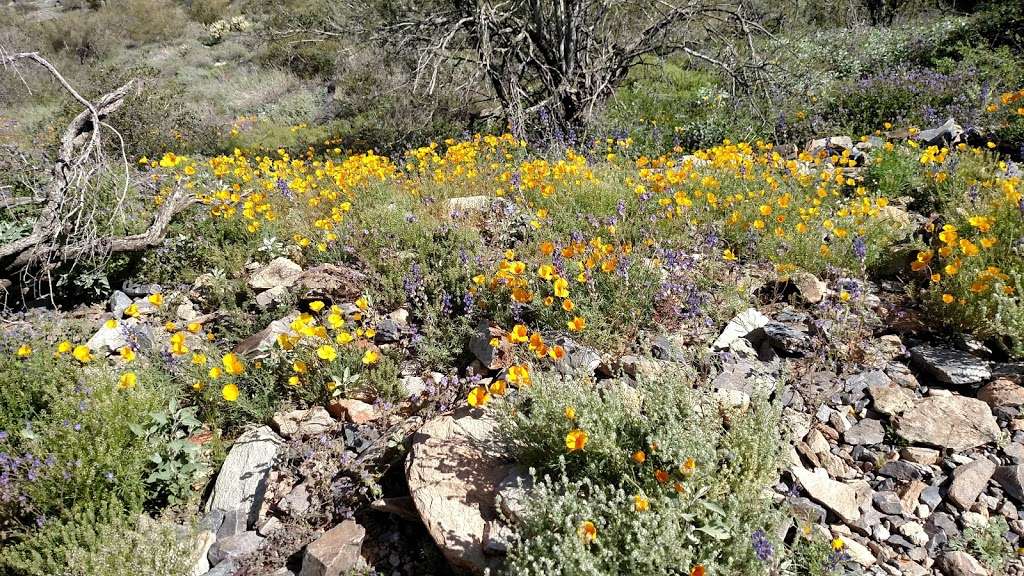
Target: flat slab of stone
{"points": [[950, 366], [969, 481], [742, 324], [454, 469], [335, 553], [955, 422], [841, 498], [278, 272], [242, 480]]}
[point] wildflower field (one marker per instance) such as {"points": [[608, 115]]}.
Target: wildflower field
{"points": [[382, 336]]}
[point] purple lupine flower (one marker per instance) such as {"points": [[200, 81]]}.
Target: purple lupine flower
{"points": [[762, 547]]}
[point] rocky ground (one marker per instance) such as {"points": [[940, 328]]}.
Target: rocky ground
{"points": [[910, 441]]}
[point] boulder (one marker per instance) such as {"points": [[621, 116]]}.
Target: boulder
{"points": [[234, 547], [969, 481], [1011, 478], [302, 422], [739, 327], [960, 563], [273, 296], [454, 470], [809, 286], [1002, 392], [278, 272], [242, 480], [335, 553], [945, 135], [462, 204], [954, 422], [950, 366], [843, 499], [867, 432], [354, 411], [891, 399], [786, 339]]}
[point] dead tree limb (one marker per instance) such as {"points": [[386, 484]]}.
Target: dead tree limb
{"points": [[65, 229]]}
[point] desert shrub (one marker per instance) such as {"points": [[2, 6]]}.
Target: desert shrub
{"points": [[987, 543], [662, 482], [907, 97], [207, 12], [814, 554], [67, 438], [101, 539], [664, 105]]}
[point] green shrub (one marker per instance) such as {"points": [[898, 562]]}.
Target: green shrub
{"points": [[101, 539], [207, 12], [697, 495], [987, 543]]}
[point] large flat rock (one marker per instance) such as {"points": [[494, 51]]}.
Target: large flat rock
{"points": [[454, 470], [955, 422], [242, 480]]}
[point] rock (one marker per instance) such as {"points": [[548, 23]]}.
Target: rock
{"points": [[859, 553], [1011, 478], [204, 540], [242, 480], [809, 286], [902, 471], [786, 339], [335, 553], [891, 399], [118, 302], [1002, 392], [888, 502], [969, 481], [914, 532], [954, 422], [296, 502], [950, 366], [833, 145], [919, 455], [931, 497], [186, 311], [751, 377], [478, 203], [234, 547], [261, 343], [579, 360], [453, 470], [278, 272], [960, 563], [275, 295], [868, 432], [806, 511], [330, 282], [354, 411], [836, 496], [225, 568], [316, 420], [739, 327], [234, 521], [480, 345], [387, 330], [512, 494], [945, 135]]}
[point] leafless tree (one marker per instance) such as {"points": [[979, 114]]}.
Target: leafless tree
{"points": [[72, 221], [565, 56]]}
